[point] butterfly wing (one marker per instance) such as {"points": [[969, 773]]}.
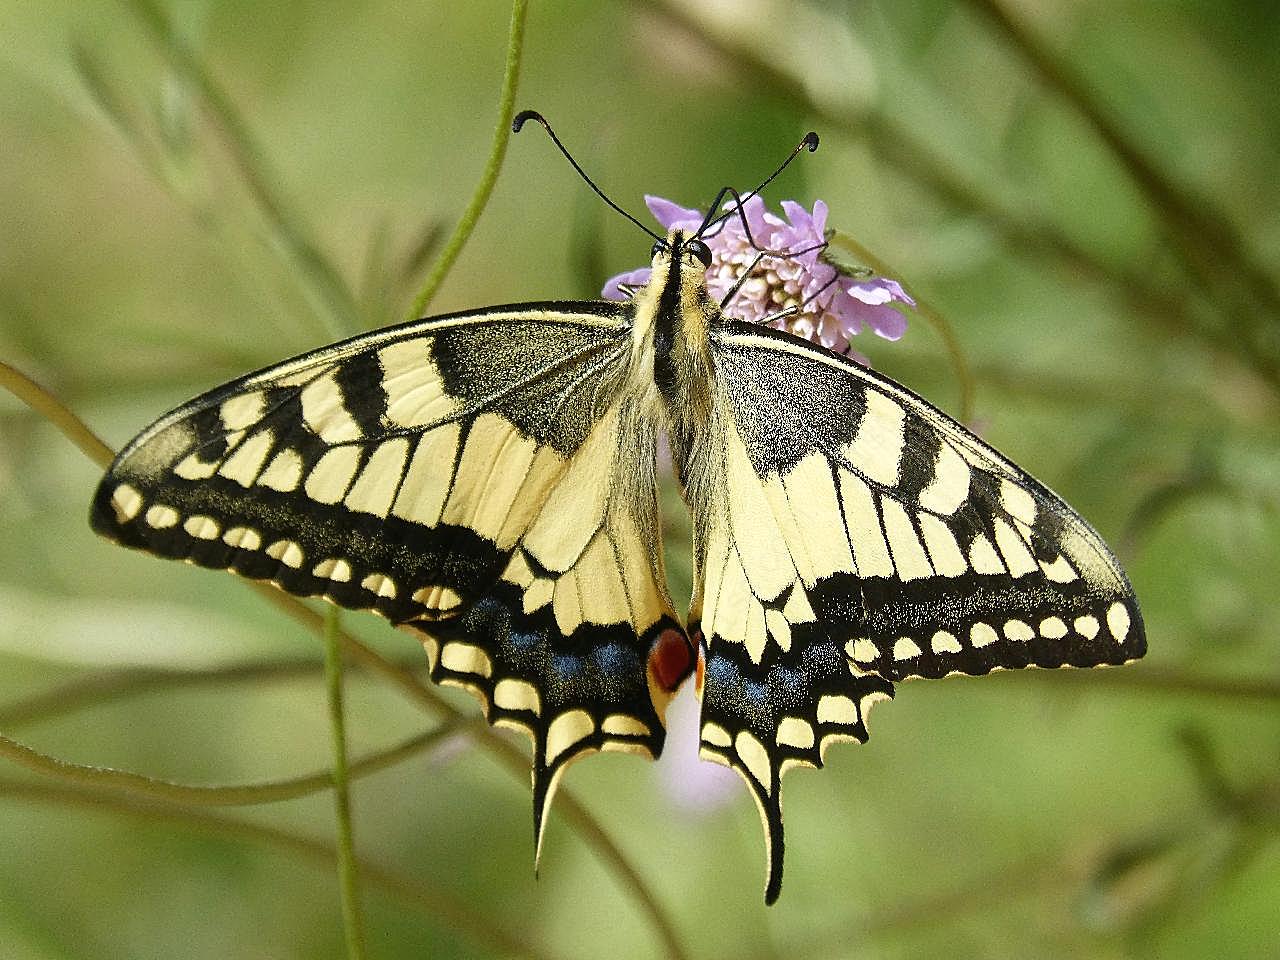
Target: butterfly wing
{"points": [[863, 537], [460, 476]]}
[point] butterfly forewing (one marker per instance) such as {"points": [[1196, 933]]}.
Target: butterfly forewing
{"points": [[461, 477], [864, 537]]}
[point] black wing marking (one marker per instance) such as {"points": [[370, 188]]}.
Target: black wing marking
{"points": [[458, 476], [861, 537]]}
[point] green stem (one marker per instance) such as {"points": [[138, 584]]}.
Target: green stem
{"points": [[959, 362], [435, 902], [498, 150], [348, 869]]}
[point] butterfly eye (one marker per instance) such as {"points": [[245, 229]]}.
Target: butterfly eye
{"points": [[659, 246], [701, 251]]}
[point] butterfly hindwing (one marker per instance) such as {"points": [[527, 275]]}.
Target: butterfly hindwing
{"points": [[468, 477], [867, 538]]}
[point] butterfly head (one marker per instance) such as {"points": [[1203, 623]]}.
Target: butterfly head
{"points": [[692, 250]]}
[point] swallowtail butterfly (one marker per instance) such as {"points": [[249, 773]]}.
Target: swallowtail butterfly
{"points": [[487, 480]]}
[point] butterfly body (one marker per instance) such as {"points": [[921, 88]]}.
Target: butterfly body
{"points": [[487, 480]]}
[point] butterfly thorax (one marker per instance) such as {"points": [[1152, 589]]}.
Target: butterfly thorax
{"points": [[676, 307]]}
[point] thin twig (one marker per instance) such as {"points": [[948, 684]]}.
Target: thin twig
{"points": [[1189, 219], [497, 151], [348, 869], [248, 794], [338, 307], [437, 903], [96, 688], [52, 409]]}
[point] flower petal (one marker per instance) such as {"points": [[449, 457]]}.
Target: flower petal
{"points": [[869, 292], [799, 217], [636, 278], [671, 215], [885, 321]]}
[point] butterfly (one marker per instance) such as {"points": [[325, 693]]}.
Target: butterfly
{"points": [[487, 480]]}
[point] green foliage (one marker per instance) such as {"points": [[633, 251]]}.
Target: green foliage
{"points": [[1085, 192]]}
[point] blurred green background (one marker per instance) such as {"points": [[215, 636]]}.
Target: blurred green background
{"points": [[1085, 190]]}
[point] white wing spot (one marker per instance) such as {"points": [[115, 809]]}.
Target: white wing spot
{"points": [[1018, 631], [193, 468], [1087, 626], [380, 584], [538, 595], [126, 501], [908, 554], [876, 449], [623, 725], [944, 552], [944, 642], [332, 474], [332, 569], [284, 473], [242, 538], [202, 527], [794, 732], [837, 708], [755, 758], [862, 521], [517, 695], [376, 486], [950, 484], [244, 465], [863, 650], [1017, 501], [779, 629], [716, 735], [162, 517], [566, 730], [415, 392], [466, 658], [1060, 571], [1118, 621], [1053, 628], [243, 411], [437, 597], [1014, 550], [981, 635], [325, 413], [983, 556], [287, 552], [797, 609], [905, 649]]}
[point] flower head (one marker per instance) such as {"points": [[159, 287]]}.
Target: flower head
{"points": [[833, 307]]}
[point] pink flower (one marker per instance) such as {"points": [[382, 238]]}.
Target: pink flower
{"points": [[833, 306]]}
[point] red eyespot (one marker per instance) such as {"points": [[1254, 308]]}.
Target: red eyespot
{"points": [[670, 659]]}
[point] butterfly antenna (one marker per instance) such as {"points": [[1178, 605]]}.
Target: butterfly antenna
{"points": [[525, 115], [808, 142]]}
